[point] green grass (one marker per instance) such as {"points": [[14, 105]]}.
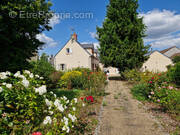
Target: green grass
{"points": [[70, 94]]}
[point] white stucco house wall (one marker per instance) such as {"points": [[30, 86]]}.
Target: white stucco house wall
{"points": [[73, 55], [157, 62]]}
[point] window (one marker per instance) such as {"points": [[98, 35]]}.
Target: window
{"points": [[68, 50], [62, 67]]}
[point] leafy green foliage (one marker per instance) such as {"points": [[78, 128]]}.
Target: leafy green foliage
{"points": [[54, 79], [18, 34], [42, 67], [174, 73], [121, 43], [157, 87], [26, 106], [82, 78], [140, 91], [69, 94], [176, 59], [132, 75]]}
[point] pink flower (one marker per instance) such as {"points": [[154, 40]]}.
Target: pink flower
{"points": [[152, 92], [163, 87], [4, 114], [36, 133], [170, 87], [158, 100]]}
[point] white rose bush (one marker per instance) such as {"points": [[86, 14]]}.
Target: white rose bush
{"points": [[26, 106]]}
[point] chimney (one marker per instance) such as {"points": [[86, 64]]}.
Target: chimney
{"points": [[74, 36]]}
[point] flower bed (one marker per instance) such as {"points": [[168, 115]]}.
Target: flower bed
{"points": [[157, 88], [28, 108]]}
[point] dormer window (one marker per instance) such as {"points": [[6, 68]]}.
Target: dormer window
{"points": [[68, 50]]}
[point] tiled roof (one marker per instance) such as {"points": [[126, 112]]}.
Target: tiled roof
{"points": [[164, 51], [177, 54], [86, 46]]}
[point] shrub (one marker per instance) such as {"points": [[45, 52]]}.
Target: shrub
{"points": [[132, 75], [71, 79], [168, 97], [54, 79], [81, 78], [96, 83], [42, 67], [27, 107], [141, 91], [174, 73], [176, 59]]}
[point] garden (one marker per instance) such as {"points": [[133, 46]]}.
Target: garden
{"points": [[162, 90], [51, 102]]}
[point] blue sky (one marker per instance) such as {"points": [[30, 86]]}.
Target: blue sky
{"points": [[161, 16]]}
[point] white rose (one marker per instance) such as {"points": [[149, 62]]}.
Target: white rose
{"points": [[31, 75], [4, 83], [60, 108], [75, 99], [74, 109], [37, 76], [3, 75], [47, 120], [25, 83], [51, 112], [9, 86], [17, 74], [27, 72], [48, 103]]}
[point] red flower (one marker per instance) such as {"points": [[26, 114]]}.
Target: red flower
{"points": [[90, 98], [152, 78], [36, 133], [150, 82], [82, 98], [91, 72]]}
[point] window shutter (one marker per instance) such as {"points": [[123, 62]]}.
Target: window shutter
{"points": [[70, 50]]}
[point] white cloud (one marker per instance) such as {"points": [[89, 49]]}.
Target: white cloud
{"points": [[54, 20], [93, 34], [167, 42], [47, 40], [162, 28]]}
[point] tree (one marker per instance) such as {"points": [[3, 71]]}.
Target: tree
{"points": [[20, 22], [176, 59], [42, 67], [121, 43]]}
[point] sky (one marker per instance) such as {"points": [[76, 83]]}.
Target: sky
{"points": [[162, 18]]}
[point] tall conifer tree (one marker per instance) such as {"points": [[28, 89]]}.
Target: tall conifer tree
{"points": [[121, 36]]}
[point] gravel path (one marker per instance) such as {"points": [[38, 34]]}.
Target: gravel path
{"points": [[123, 115]]}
